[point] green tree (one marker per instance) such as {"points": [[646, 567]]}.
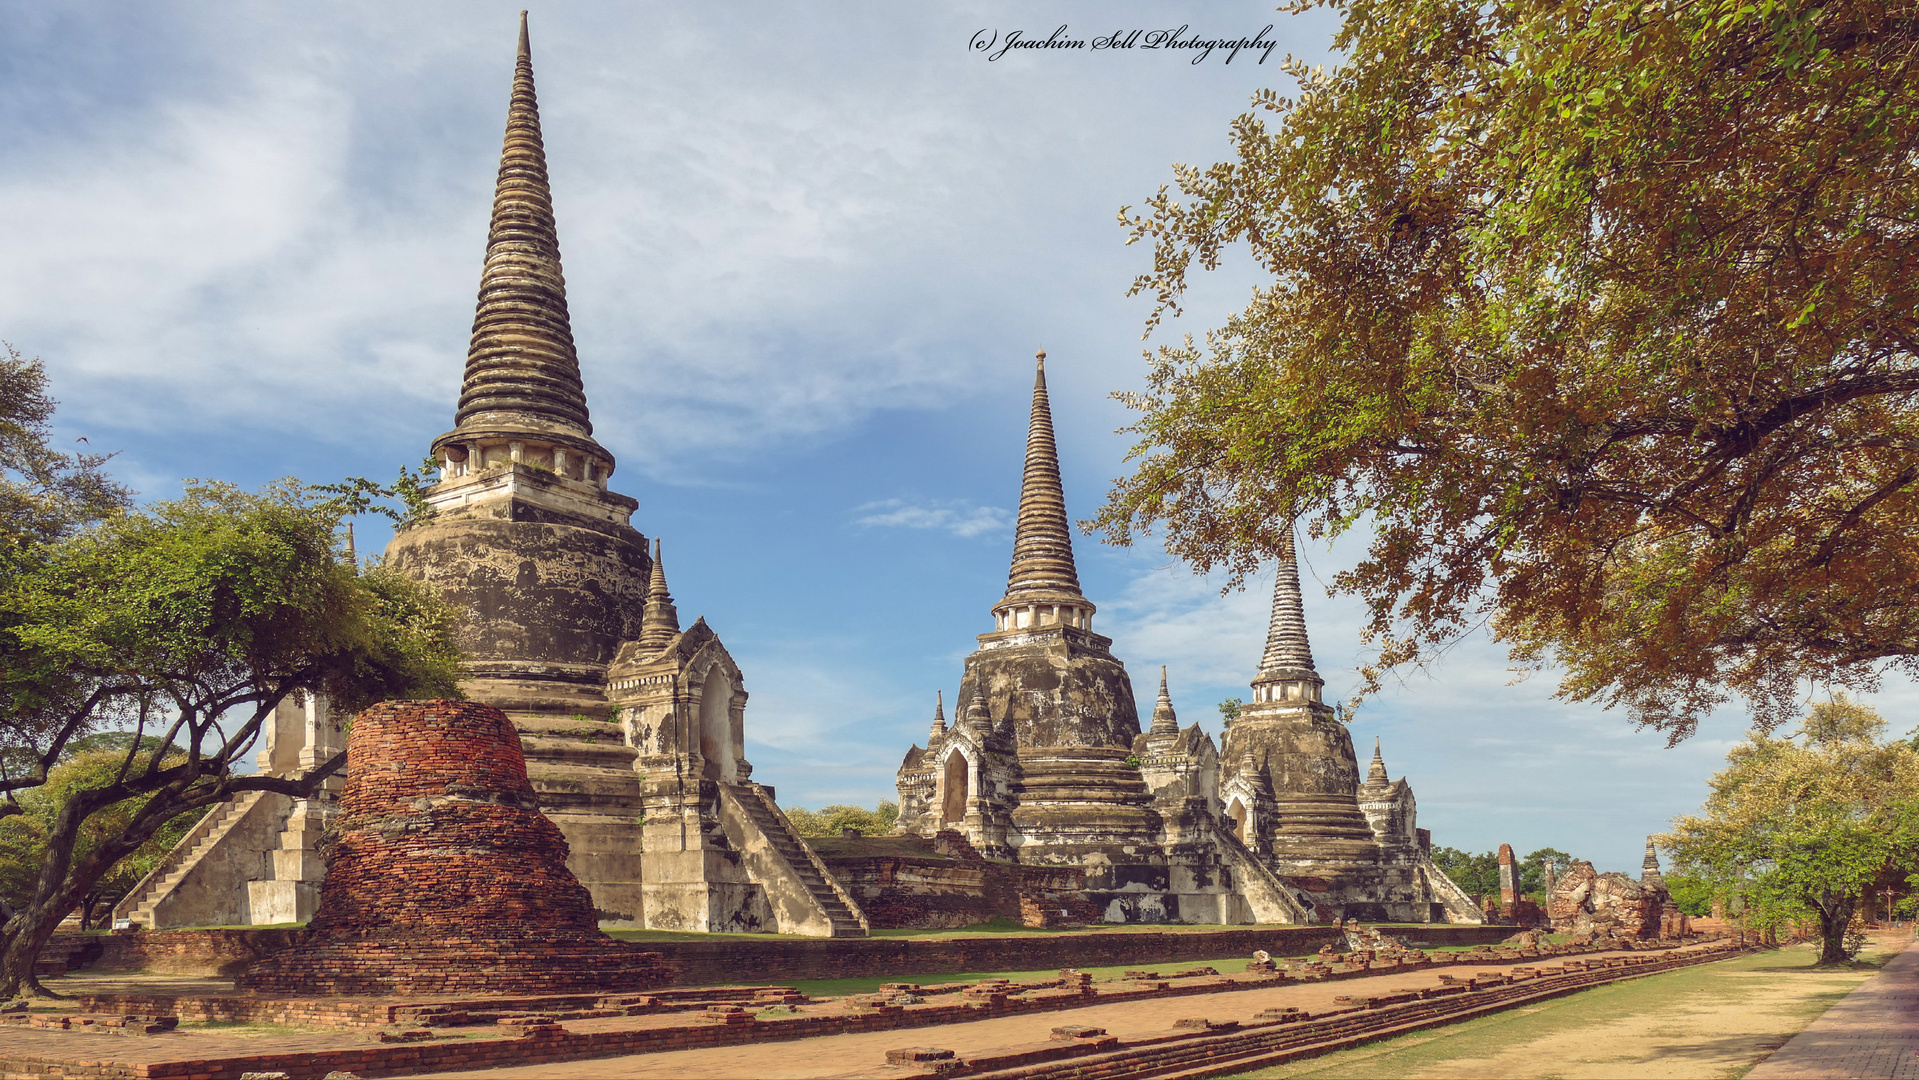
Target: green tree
{"points": [[1692, 893], [1601, 316], [1532, 869], [1229, 711], [45, 494], [23, 836], [1477, 874], [1801, 828], [185, 625], [829, 820]]}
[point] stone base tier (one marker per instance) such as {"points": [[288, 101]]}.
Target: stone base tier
{"points": [[1081, 801], [415, 966]]}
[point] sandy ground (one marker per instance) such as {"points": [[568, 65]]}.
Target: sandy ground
{"points": [[1713, 1021], [854, 1055]]}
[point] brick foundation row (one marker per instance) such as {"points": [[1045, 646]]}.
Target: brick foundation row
{"points": [[735, 960], [551, 1043], [1209, 1050]]}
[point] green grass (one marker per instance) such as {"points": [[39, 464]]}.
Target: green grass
{"points": [[1490, 1035]]}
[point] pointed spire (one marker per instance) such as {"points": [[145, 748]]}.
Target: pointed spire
{"points": [[1164, 721], [1256, 772], [1043, 543], [661, 622], [939, 715], [1289, 656], [1649, 870], [978, 720], [1376, 772], [521, 367], [352, 553]]}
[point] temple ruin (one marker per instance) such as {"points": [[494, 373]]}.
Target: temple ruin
{"points": [[633, 729], [1291, 787], [444, 877], [1047, 765], [1043, 801], [1612, 906]]}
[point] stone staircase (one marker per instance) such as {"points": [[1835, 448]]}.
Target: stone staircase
{"points": [[1459, 907], [847, 919], [1270, 898], [143, 899]]}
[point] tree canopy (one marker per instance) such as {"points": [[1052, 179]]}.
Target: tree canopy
{"points": [[1601, 316], [1478, 873], [44, 493], [1801, 829], [182, 626], [827, 821], [24, 836]]}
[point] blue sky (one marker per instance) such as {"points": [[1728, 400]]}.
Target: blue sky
{"points": [[810, 251]]}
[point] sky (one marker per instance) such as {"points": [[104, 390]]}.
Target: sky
{"points": [[810, 251]]}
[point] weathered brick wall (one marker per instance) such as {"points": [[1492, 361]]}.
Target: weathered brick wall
{"points": [[899, 891], [551, 1043], [190, 952], [443, 876], [733, 961]]}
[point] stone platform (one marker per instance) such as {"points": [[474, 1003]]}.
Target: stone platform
{"points": [[699, 960]]}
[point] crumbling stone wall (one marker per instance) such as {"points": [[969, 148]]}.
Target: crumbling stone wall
{"points": [[903, 882], [1585, 901]]}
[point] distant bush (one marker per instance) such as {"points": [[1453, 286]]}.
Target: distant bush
{"points": [[829, 820]]}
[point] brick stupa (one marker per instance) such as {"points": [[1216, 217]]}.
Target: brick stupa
{"points": [[444, 877]]}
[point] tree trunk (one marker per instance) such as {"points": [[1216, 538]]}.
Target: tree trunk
{"points": [[30, 932], [1833, 920]]}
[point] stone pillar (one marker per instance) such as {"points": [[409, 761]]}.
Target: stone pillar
{"points": [[1508, 882]]}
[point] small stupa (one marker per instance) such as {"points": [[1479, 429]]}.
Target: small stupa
{"points": [[444, 877]]}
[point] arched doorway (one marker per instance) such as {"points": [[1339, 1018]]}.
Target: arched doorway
{"points": [[1236, 810], [716, 728], [954, 788]]}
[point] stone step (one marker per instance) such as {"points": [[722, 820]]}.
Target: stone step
{"points": [[793, 849]]}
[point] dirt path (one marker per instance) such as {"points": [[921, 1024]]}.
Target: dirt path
{"points": [[854, 1055], [1712, 1021]]}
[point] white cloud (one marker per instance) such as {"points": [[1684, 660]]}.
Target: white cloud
{"points": [[956, 516], [776, 222], [823, 724]]}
